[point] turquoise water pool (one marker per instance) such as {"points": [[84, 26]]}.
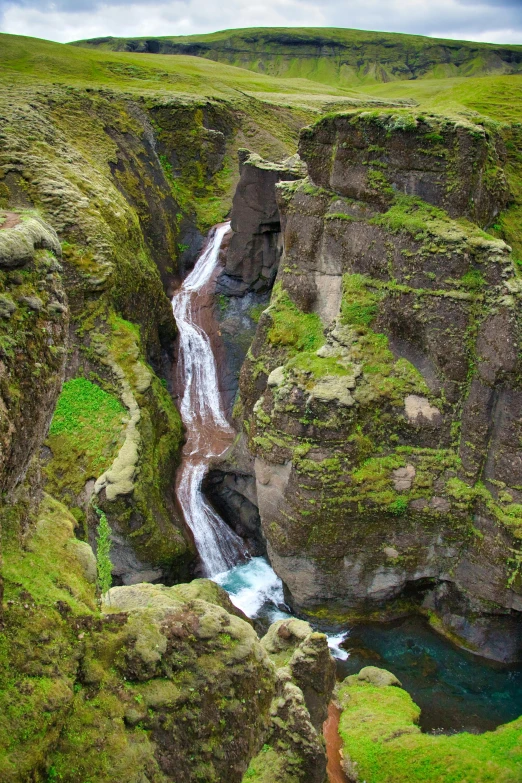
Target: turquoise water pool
{"points": [[456, 691]]}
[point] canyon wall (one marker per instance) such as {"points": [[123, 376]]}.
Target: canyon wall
{"points": [[381, 395], [104, 200]]}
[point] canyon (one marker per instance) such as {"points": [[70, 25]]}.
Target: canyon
{"points": [[273, 342]]}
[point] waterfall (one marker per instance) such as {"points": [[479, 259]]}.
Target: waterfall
{"points": [[252, 584], [201, 408]]}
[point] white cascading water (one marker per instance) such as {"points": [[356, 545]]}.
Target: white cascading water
{"points": [[252, 584], [208, 432]]}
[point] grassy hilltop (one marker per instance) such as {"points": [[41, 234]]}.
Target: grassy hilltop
{"points": [[331, 56]]}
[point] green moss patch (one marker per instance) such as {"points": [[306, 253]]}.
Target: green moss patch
{"points": [[424, 222], [85, 434], [46, 567], [291, 328], [359, 303]]}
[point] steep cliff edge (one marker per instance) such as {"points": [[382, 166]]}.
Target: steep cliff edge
{"points": [[381, 394], [128, 186], [103, 202]]}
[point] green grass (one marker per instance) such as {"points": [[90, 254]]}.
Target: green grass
{"points": [[85, 435], [31, 60], [332, 55], [291, 328], [379, 732]]}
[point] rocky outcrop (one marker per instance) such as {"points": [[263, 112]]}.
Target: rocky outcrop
{"points": [[255, 247], [381, 391], [372, 158], [164, 684], [293, 750]]}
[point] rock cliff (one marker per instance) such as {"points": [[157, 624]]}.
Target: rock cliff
{"points": [[103, 203], [381, 394]]}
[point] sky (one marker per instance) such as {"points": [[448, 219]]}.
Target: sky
{"points": [[497, 21]]}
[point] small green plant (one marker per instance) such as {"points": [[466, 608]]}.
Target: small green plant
{"points": [[472, 280], [436, 138], [255, 312], [222, 302], [103, 549], [398, 507]]}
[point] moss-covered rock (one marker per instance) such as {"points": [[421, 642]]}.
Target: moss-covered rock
{"points": [[376, 377], [164, 684], [293, 750], [382, 742]]}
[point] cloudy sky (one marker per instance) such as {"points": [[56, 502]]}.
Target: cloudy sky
{"points": [[66, 20]]}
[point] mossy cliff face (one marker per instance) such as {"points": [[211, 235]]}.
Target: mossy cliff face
{"points": [[383, 743], [34, 319], [382, 390], [293, 748], [129, 185], [164, 684], [109, 270], [453, 165]]}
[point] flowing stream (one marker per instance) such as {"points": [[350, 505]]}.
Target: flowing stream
{"points": [[208, 432]]}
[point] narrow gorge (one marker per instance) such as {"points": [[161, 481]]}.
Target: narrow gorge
{"points": [[260, 420]]}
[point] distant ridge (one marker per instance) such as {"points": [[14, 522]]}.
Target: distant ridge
{"points": [[334, 56]]}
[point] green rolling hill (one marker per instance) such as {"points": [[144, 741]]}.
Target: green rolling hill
{"points": [[331, 55]]}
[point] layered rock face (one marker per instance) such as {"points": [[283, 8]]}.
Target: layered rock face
{"points": [[255, 249], [382, 392]]}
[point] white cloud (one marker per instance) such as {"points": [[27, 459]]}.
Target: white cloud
{"points": [[66, 20]]}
